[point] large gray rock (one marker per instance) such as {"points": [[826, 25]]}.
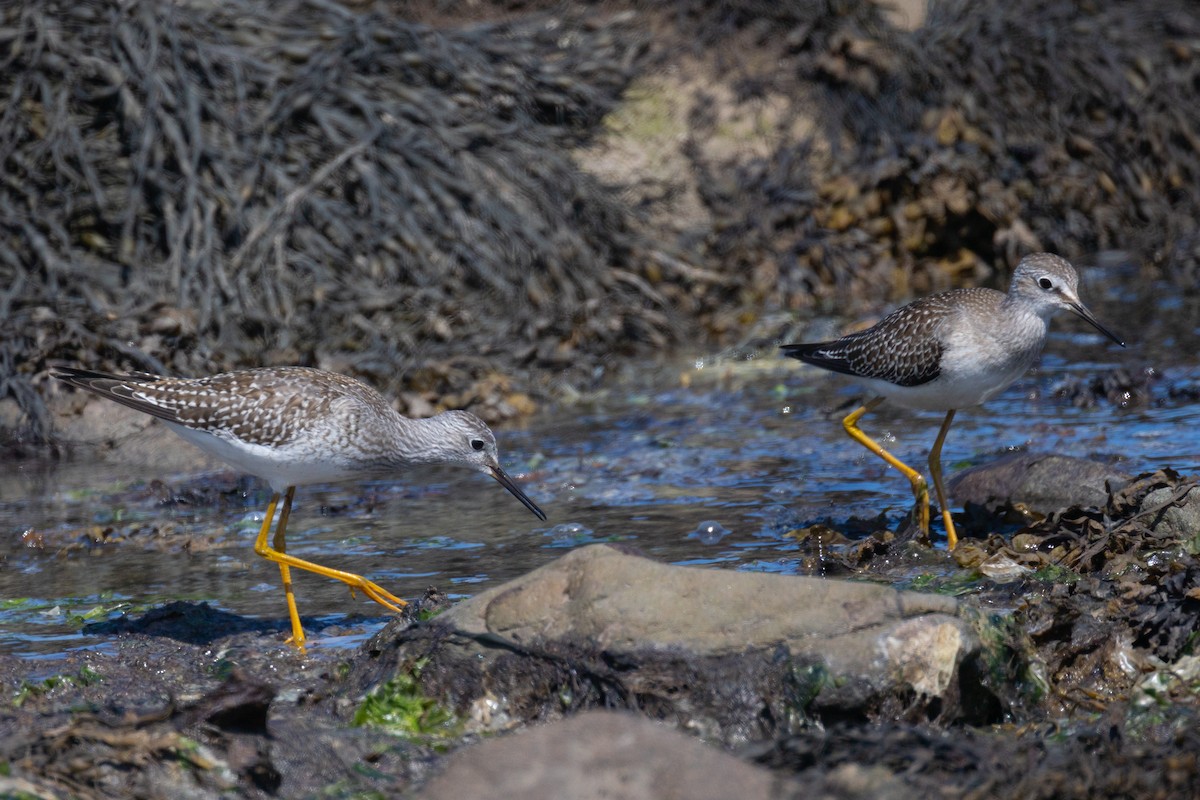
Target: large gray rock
{"points": [[736, 656], [605, 755], [1042, 482]]}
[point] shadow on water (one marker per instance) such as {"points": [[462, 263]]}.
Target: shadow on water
{"points": [[717, 461]]}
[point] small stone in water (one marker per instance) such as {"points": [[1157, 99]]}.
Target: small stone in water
{"points": [[709, 532]]}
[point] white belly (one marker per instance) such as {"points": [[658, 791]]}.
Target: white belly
{"points": [[281, 467], [963, 389], [976, 365]]}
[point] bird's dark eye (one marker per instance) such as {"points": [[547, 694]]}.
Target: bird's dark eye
{"points": [[477, 444], [1045, 283]]}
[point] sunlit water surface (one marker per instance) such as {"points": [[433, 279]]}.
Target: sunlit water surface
{"points": [[710, 462]]}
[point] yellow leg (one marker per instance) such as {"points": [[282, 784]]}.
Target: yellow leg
{"points": [[935, 470], [920, 487], [279, 555], [260, 544], [280, 544]]}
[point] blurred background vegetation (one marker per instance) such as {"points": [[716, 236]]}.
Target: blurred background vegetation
{"points": [[492, 204]]}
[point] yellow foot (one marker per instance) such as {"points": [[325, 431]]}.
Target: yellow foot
{"points": [[378, 594]]}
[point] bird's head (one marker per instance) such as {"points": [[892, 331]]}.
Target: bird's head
{"points": [[464, 440], [1049, 283]]}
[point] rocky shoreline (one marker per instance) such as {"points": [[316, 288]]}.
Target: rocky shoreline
{"points": [[607, 669]]}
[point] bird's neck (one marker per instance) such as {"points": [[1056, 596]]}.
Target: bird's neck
{"points": [[1020, 308], [413, 440]]}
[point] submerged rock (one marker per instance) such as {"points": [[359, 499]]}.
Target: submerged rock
{"points": [[734, 656], [1041, 482]]}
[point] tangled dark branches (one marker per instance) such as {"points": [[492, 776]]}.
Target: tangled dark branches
{"points": [[223, 184]]}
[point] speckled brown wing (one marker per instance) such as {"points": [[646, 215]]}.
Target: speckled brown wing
{"points": [[254, 406], [115, 387], [904, 348]]}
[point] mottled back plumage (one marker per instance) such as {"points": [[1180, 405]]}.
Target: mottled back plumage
{"points": [[268, 406], [904, 348]]}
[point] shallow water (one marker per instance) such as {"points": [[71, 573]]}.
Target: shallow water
{"points": [[709, 460]]}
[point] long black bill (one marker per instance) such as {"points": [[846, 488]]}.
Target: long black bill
{"points": [[1082, 311], [508, 483]]}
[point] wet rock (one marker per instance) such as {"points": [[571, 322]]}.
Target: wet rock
{"points": [[737, 656], [1173, 512], [215, 747], [182, 621], [601, 754], [1120, 387], [1041, 482]]}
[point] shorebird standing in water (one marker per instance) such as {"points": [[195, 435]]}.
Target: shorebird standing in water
{"points": [[294, 426], [948, 351]]}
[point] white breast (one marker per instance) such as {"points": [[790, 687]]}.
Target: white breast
{"points": [[278, 466], [978, 362]]}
